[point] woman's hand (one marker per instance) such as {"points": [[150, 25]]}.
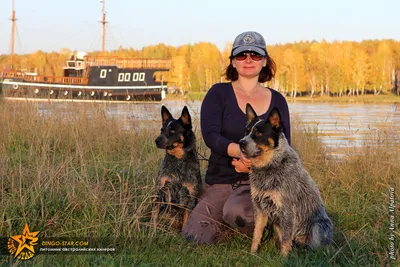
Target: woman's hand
{"points": [[239, 161], [246, 161], [241, 164]]}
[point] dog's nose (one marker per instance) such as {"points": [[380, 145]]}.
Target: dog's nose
{"points": [[242, 143], [158, 141]]}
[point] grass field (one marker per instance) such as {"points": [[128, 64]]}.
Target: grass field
{"points": [[76, 174]]}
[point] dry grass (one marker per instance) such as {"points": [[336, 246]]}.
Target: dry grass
{"points": [[72, 173], [75, 173]]}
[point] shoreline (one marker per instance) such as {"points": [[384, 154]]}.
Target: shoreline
{"points": [[324, 99], [384, 99], [353, 99], [76, 100]]}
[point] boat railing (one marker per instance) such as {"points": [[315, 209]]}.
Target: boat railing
{"points": [[13, 74], [161, 64], [157, 80], [45, 79], [59, 80]]}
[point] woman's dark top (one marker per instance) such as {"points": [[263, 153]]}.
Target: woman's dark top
{"points": [[223, 122]]}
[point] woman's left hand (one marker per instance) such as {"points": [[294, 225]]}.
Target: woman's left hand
{"points": [[240, 166]]}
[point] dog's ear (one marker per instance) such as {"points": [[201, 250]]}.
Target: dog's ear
{"points": [[275, 117], [185, 117], [165, 115], [251, 114]]}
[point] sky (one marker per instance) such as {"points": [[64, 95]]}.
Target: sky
{"points": [[50, 25]]}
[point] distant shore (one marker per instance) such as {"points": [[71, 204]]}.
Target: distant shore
{"points": [[350, 99], [344, 99]]}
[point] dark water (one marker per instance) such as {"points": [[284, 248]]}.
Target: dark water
{"points": [[339, 124]]}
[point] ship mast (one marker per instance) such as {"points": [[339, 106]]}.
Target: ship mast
{"points": [[103, 28], [13, 19]]}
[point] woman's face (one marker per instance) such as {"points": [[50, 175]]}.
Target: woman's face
{"points": [[249, 64]]}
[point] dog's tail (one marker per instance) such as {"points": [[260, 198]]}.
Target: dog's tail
{"points": [[320, 230]]}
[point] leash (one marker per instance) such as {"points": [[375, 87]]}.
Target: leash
{"points": [[268, 232], [235, 185], [201, 156]]}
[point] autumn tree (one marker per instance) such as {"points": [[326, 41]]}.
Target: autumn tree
{"points": [[314, 68], [179, 73], [294, 66], [361, 70], [279, 82], [383, 66], [205, 66]]}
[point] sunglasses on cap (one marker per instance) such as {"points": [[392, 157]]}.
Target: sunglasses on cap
{"points": [[243, 55]]}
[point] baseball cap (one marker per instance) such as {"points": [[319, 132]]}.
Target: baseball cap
{"points": [[249, 41]]}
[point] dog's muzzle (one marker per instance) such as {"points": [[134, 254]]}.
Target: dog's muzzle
{"points": [[161, 142], [250, 150], [242, 143]]}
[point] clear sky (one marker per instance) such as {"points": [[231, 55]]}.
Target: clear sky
{"points": [[50, 25]]}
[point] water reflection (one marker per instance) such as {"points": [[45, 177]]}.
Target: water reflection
{"points": [[338, 124], [350, 125]]}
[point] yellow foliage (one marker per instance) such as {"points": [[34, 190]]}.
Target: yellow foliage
{"points": [[336, 68]]}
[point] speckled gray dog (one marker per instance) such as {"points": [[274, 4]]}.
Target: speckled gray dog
{"points": [[178, 181], [281, 189]]}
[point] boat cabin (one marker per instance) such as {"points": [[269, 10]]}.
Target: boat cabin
{"points": [[76, 65]]}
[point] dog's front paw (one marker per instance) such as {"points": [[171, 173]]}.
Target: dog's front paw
{"points": [[285, 253], [254, 249], [285, 249]]}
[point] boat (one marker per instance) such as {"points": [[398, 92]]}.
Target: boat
{"points": [[91, 77]]}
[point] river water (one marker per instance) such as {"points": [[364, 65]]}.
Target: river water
{"points": [[338, 124]]}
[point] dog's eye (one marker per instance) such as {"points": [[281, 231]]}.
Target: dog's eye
{"points": [[258, 134], [171, 131]]}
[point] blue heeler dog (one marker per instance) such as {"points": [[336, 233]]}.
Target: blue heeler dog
{"points": [[281, 189], [178, 181]]}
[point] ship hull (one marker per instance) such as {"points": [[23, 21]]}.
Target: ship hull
{"points": [[15, 88]]}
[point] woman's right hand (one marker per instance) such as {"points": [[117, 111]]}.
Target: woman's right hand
{"points": [[241, 164], [246, 161], [239, 161]]}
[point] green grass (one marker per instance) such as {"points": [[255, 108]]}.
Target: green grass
{"points": [[76, 174]]}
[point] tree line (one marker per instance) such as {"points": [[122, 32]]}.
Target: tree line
{"points": [[303, 68]]}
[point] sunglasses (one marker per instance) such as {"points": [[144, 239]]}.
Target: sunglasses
{"points": [[243, 55]]}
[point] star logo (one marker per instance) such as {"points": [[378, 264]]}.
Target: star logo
{"points": [[22, 246]]}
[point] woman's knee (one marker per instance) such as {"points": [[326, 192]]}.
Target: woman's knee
{"points": [[238, 218], [201, 231], [238, 211], [203, 225]]}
